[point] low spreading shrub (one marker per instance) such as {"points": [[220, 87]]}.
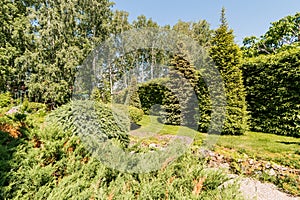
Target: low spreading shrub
{"points": [[32, 107], [53, 164], [94, 117], [5, 99]]}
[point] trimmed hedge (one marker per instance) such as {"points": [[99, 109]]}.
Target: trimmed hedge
{"points": [[273, 84]]}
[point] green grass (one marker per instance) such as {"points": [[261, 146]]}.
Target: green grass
{"points": [[280, 149], [151, 124], [277, 149]]}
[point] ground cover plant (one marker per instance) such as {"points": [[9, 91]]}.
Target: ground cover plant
{"points": [[49, 161]]}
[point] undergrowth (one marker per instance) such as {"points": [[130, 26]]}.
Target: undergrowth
{"points": [[49, 162]]}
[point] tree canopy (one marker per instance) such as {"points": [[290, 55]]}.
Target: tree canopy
{"points": [[282, 33]]}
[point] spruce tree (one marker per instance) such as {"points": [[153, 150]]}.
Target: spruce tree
{"points": [[227, 58], [180, 105]]}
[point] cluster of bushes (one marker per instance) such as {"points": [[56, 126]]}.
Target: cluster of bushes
{"points": [[5, 99], [273, 96], [96, 118], [51, 163]]}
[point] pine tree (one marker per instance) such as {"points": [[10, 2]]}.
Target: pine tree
{"points": [[227, 57]]}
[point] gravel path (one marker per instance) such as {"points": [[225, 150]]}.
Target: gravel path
{"points": [[254, 189]]}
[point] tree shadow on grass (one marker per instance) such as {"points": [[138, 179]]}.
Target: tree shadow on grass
{"points": [[288, 143], [134, 126]]}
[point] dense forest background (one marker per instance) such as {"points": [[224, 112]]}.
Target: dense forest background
{"points": [[44, 42]]}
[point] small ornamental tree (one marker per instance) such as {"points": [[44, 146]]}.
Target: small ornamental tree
{"points": [[133, 98], [227, 58]]}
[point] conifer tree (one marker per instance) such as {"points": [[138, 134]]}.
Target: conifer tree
{"points": [[227, 58], [133, 98], [180, 105]]}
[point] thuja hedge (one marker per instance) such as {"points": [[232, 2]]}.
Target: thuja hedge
{"points": [[273, 85], [152, 95]]}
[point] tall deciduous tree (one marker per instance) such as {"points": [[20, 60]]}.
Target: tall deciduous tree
{"points": [[227, 57], [12, 42], [200, 31], [62, 34], [282, 33]]}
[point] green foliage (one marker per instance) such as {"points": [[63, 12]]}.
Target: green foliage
{"points": [[135, 114], [32, 107], [282, 34], [273, 86], [95, 117], [5, 99], [96, 95], [133, 98], [12, 43], [152, 93], [178, 106], [200, 31], [54, 164], [61, 35], [120, 97], [227, 58]]}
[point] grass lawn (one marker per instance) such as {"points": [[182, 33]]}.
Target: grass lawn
{"points": [[262, 146], [281, 150]]}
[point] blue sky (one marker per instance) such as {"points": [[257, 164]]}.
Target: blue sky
{"points": [[245, 17]]}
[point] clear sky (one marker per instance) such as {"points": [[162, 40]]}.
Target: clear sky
{"points": [[245, 17]]}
